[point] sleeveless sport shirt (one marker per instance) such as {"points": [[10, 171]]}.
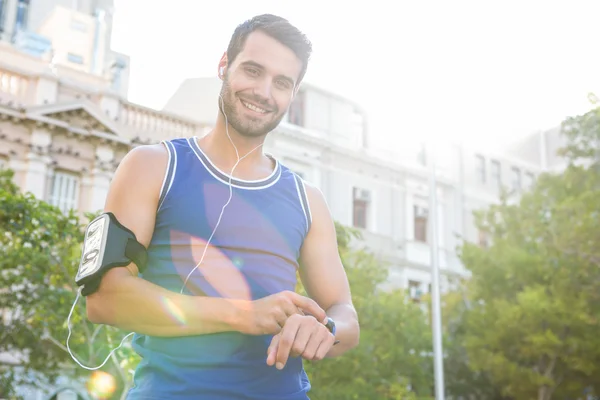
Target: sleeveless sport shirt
{"points": [[252, 254]]}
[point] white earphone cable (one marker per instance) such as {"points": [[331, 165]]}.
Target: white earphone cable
{"points": [[69, 336], [239, 159], [230, 193]]}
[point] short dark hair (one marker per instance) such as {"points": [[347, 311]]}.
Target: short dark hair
{"points": [[279, 29]]}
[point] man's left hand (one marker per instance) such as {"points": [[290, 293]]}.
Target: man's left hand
{"points": [[302, 335]]}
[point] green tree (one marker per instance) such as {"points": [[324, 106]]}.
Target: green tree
{"points": [[40, 249], [393, 359], [461, 380], [534, 298]]}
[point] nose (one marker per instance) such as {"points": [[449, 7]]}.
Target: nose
{"points": [[263, 89]]}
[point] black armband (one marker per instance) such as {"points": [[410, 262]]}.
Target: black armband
{"points": [[107, 244]]}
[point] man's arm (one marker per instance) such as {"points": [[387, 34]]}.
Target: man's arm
{"points": [[323, 274], [129, 302], [325, 281]]}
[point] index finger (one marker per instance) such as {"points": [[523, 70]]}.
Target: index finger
{"points": [[272, 350], [310, 306]]}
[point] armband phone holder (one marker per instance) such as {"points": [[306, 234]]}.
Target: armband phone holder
{"points": [[107, 244]]}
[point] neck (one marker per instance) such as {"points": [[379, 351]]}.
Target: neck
{"points": [[217, 142]]}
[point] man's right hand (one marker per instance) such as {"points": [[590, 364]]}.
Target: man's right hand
{"points": [[268, 315]]}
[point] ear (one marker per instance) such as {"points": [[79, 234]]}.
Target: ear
{"points": [[222, 68]]}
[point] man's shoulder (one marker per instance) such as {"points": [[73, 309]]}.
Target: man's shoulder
{"points": [[156, 151], [145, 162], [313, 192], [147, 153]]}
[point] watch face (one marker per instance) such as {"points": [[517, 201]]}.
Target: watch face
{"points": [[331, 326], [93, 247]]}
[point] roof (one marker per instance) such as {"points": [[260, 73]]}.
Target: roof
{"points": [[93, 122], [92, 111]]}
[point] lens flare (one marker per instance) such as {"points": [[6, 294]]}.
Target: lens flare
{"points": [[174, 311], [101, 385]]}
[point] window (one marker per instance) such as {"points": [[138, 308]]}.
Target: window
{"points": [[496, 173], [75, 58], [481, 173], [22, 14], [420, 221], [296, 111], [529, 180], [360, 207], [64, 192], [515, 178], [414, 290], [483, 239], [78, 26], [2, 9]]}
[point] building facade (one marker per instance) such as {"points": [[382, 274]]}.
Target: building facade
{"points": [[65, 124], [324, 138], [65, 121]]}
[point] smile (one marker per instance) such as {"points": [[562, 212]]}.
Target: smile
{"points": [[253, 107]]}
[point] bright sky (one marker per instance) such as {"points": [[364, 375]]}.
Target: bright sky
{"points": [[479, 71]]}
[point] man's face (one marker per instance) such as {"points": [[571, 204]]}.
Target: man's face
{"points": [[259, 85]]}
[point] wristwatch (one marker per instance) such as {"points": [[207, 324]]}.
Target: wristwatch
{"points": [[331, 326]]}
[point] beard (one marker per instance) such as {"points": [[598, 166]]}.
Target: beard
{"points": [[246, 125]]}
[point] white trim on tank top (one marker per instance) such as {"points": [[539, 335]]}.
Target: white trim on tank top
{"points": [[271, 179]]}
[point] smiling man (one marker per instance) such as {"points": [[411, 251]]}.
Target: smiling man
{"points": [[226, 228]]}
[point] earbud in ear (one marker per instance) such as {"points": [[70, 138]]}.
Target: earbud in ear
{"points": [[221, 71]]}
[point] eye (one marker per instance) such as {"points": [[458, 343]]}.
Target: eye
{"points": [[282, 83], [251, 71]]}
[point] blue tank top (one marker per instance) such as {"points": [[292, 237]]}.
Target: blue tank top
{"points": [[253, 253]]}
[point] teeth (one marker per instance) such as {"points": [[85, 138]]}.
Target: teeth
{"points": [[253, 108]]}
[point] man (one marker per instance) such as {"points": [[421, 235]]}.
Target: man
{"points": [[214, 311]]}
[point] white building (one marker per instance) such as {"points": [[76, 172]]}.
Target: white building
{"points": [[324, 138], [65, 123]]}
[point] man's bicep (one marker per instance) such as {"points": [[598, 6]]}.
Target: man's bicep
{"points": [[321, 269], [134, 191]]}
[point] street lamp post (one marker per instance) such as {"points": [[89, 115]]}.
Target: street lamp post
{"points": [[435, 282]]}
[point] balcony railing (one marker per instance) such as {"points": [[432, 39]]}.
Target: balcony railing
{"points": [[155, 125], [420, 253], [382, 245]]}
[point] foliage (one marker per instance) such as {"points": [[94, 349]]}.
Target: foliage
{"points": [[393, 359], [41, 250], [582, 134], [523, 326], [461, 381], [531, 316]]}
